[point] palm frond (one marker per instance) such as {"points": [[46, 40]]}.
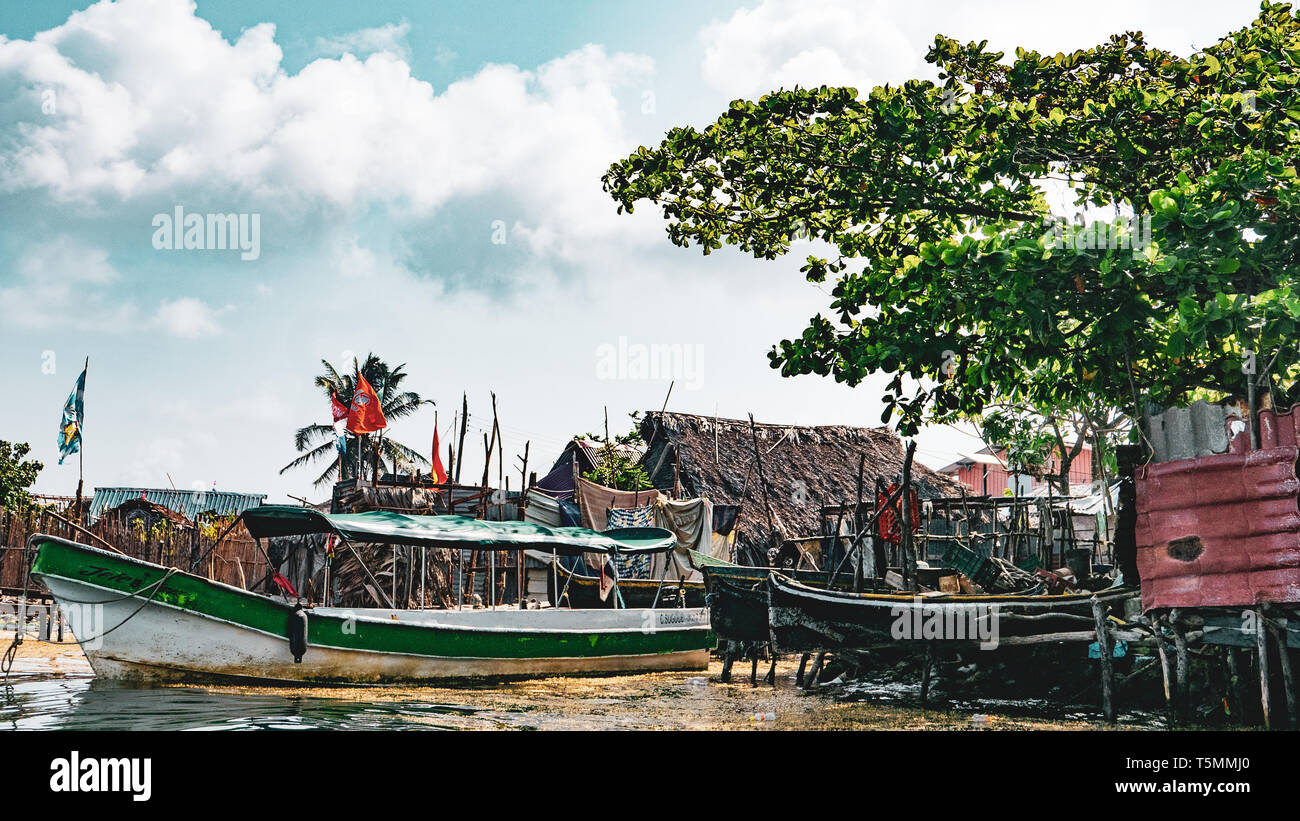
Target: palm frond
{"points": [[328, 476], [318, 440], [409, 454], [313, 455], [307, 436]]}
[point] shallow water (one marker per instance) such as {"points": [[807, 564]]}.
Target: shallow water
{"points": [[52, 688]]}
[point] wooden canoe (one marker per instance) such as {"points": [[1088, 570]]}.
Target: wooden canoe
{"points": [[806, 619]]}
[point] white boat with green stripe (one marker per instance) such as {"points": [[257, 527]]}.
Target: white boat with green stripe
{"points": [[137, 620]]}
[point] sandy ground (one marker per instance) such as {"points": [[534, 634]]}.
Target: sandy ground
{"points": [[47, 658], [687, 701]]}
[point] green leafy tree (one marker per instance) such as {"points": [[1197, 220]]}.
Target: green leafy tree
{"points": [[17, 474], [949, 274], [619, 468], [316, 442]]}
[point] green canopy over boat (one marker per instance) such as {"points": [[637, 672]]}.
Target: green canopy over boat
{"points": [[452, 531]]}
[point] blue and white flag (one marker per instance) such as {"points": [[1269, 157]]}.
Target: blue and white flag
{"points": [[73, 414]]}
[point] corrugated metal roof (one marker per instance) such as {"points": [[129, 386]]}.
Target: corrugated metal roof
{"points": [[592, 450], [542, 509], [1223, 530], [188, 503], [1200, 429]]}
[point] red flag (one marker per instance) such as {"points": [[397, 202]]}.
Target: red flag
{"points": [[336, 407], [284, 583], [365, 415], [439, 472]]}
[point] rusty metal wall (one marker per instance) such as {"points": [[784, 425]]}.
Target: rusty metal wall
{"points": [[1224, 529]]}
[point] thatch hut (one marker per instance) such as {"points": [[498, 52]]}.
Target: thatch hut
{"points": [[804, 467]]}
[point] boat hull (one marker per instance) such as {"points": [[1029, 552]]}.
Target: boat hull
{"points": [[738, 605], [804, 619], [738, 612], [140, 621]]}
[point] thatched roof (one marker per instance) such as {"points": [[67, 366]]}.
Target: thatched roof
{"points": [[805, 467]]}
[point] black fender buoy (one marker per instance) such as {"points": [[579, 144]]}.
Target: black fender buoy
{"points": [[298, 633]]}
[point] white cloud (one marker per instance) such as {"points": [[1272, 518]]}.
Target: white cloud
{"points": [[154, 105], [390, 38], [187, 317], [63, 282], [783, 43]]}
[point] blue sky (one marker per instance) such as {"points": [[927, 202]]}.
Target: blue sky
{"points": [[426, 178]]}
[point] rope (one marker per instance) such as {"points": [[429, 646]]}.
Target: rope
{"points": [[7, 661]]}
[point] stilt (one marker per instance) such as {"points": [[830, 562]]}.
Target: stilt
{"points": [[811, 681], [1288, 679], [1164, 672], [770, 678], [1107, 666], [925, 672], [1182, 704], [1261, 645], [753, 666], [1238, 684], [728, 658], [803, 665]]}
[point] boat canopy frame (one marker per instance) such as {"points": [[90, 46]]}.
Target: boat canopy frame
{"points": [[454, 532], [451, 532]]}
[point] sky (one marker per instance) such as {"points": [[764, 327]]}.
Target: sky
{"points": [[421, 181]]}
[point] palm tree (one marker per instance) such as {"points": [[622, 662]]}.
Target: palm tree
{"points": [[316, 442]]}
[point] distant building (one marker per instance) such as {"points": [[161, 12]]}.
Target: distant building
{"points": [[588, 454], [804, 467], [188, 503], [984, 472]]}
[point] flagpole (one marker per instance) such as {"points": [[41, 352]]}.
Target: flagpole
{"points": [[81, 451]]}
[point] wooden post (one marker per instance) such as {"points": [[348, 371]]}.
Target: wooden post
{"points": [[925, 672], [728, 658], [1261, 646], [460, 446], [905, 538], [490, 443], [767, 502], [1107, 668], [857, 527], [1288, 679], [1236, 684], [1164, 672], [810, 680], [1184, 678]]}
